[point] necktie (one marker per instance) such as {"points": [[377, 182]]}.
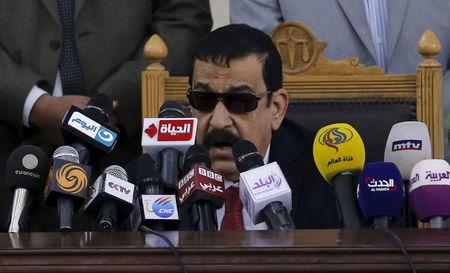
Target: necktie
{"points": [[69, 66], [232, 219]]}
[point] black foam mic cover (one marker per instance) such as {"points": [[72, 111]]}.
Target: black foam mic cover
{"points": [[246, 156], [196, 155], [27, 167], [99, 107], [171, 109]]}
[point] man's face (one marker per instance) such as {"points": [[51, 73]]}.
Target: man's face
{"points": [[243, 75]]}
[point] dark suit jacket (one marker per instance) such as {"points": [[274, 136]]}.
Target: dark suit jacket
{"points": [[110, 36], [313, 200]]}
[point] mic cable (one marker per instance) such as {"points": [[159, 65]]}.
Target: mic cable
{"points": [[174, 250], [402, 247]]}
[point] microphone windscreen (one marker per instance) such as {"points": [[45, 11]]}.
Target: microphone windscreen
{"points": [[380, 190], [338, 148], [429, 189], [27, 167], [171, 109], [196, 155], [149, 176], [408, 143], [66, 153], [117, 171], [139, 163], [100, 104], [246, 156]]}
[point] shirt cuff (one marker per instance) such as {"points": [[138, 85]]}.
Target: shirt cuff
{"points": [[31, 99]]}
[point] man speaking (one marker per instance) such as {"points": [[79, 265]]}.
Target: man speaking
{"points": [[236, 93]]}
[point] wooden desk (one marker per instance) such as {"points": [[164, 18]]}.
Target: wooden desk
{"points": [[257, 251]]}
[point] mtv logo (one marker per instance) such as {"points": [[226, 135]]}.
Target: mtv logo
{"points": [[407, 144]]}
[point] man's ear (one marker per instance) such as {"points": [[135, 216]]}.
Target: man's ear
{"points": [[279, 104]]}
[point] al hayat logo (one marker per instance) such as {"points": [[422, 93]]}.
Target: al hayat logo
{"points": [[334, 137], [71, 178]]}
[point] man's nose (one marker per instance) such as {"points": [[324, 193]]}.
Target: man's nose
{"points": [[220, 117]]}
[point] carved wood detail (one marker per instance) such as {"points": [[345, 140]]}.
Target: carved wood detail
{"points": [[302, 53]]}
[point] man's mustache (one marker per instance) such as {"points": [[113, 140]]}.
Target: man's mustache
{"points": [[220, 138]]}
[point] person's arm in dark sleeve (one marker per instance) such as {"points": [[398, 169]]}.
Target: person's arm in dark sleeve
{"points": [[16, 81]]}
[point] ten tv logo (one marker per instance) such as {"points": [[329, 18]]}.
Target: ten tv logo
{"points": [[92, 129], [407, 144], [172, 130]]}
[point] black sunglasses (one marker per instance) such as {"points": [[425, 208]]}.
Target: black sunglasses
{"points": [[238, 103]]}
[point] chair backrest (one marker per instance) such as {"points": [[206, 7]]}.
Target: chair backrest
{"points": [[324, 91]]}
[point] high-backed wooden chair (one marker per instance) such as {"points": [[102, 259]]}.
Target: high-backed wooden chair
{"points": [[324, 91]]}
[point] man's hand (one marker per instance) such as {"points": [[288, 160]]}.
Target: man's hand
{"points": [[48, 112]]}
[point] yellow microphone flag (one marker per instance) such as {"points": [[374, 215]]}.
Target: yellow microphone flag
{"points": [[338, 148]]}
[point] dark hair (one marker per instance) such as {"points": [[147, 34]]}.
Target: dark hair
{"points": [[237, 41]]}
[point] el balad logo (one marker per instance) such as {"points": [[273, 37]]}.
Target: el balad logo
{"points": [[334, 137], [71, 178]]}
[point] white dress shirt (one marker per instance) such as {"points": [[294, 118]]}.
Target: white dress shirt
{"points": [[376, 12], [34, 95]]}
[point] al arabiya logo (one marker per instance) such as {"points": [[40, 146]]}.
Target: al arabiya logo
{"points": [[163, 207], [335, 136]]}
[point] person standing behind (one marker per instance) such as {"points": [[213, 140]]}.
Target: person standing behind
{"points": [[378, 32], [58, 53]]}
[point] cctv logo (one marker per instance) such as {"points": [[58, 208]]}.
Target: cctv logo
{"points": [[407, 144], [119, 188]]}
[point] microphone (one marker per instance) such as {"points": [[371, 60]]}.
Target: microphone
{"points": [[68, 184], [201, 190], [380, 193], [156, 207], [90, 126], [407, 144], [134, 169], [150, 181], [111, 198], [339, 155], [263, 189], [26, 171], [430, 191], [167, 137], [136, 165]]}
